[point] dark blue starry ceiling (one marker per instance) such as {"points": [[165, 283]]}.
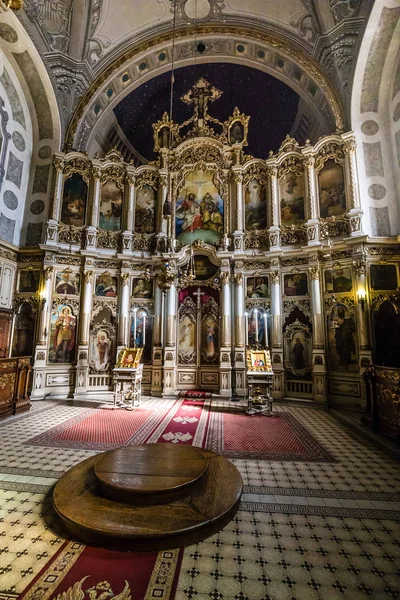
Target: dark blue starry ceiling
{"points": [[271, 104]]}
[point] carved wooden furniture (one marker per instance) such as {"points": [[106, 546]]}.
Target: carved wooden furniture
{"points": [[154, 496], [14, 382], [259, 382], [5, 332], [388, 400], [127, 378]]}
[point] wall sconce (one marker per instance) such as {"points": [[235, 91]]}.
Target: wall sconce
{"points": [[361, 298]]}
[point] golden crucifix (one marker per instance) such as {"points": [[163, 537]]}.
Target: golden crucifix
{"points": [[201, 93]]}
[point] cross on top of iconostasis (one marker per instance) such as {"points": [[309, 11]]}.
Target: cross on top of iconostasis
{"points": [[199, 95]]}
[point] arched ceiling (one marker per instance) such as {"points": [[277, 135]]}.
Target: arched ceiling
{"points": [[240, 85], [80, 39]]}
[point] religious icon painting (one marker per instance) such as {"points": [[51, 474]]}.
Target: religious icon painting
{"points": [[342, 342], [73, 208], [209, 332], [257, 287], [142, 288], [291, 187], [106, 286], [338, 280], [67, 283], [129, 358], [295, 284], [255, 206], [187, 328], [199, 210], [236, 132], [102, 342], [24, 328], [111, 206], [141, 334], [145, 211], [28, 280], [62, 335], [383, 277], [204, 268], [332, 198]]}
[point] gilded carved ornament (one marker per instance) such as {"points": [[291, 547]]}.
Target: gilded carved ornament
{"points": [[125, 278], [255, 171], [331, 150], [58, 164], [88, 277], [238, 278], [291, 164], [147, 178], [350, 146], [225, 278], [113, 173], [48, 273], [275, 277], [131, 179], [314, 273], [360, 267], [77, 165]]}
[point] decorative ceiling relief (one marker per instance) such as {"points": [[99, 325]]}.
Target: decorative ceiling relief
{"points": [[343, 9], [53, 19], [195, 11]]}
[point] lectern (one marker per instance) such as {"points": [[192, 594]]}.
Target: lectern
{"points": [[127, 378], [259, 382]]}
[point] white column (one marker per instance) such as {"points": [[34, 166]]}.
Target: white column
{"points": [[123, 325], [130, 213], [58, 163], [87, 298], [318, 351], [274, 230], [157, 316], [94, 213], [238, 234], [226, 310], [352, 188], [239, 304], [317, 316], [171, 316], [311, 198], [46, 298], [276, 335]]}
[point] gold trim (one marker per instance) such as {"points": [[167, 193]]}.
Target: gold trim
{"points": [[310, 66]]}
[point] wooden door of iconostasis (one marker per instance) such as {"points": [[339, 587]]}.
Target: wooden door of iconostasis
{"points": [[198, 338]]}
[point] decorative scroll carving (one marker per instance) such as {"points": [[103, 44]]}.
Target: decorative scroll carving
{"points": [[314, 273], [255, 171], [303, 305], [348, 301], [100, 304], [48, 273], [70, 234], [72, 302], [77, 165], [109, 239], [256, 239], [113, 173], [143, 241], [205, 153], [289, 262], [333, 150], [88, 277], [148, 177], [293, 234], [334, 227], [378, 299], [291, 164], [275, 277]]}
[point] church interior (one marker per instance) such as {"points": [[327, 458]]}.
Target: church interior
{"points": [[200, 248]]}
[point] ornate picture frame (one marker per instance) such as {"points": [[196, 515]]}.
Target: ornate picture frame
{"points": [[129, 358], [259, 361]]}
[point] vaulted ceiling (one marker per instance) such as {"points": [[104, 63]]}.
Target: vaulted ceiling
{"points": [[83, 41]]}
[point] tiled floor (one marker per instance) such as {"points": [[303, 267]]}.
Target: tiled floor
{"points": [[304, 530]]}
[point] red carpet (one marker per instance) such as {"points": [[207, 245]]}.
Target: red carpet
{"points": [[195, 395], [79, 571], [189, 421], [279, 437]]}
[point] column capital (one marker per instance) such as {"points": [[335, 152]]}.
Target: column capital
{"points": [[314, 273], [238, 278], [88, 277], [130, 178], [58, 163], [48, 273], [275, 277]]}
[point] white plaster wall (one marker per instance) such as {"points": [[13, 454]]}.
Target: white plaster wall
{"points": [[372, 120], [11, 218]]}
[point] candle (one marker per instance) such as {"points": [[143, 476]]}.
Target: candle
{"points": [[134, 327], [256, 315], [266, 329], [246, 316], [144, 329]]}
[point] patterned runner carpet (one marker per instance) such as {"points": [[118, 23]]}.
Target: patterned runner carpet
{"points": [[79, 572], [189, 421]]}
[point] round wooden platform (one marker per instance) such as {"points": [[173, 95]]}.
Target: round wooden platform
{"points": [[155, 496]]}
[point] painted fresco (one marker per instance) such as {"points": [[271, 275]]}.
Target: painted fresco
{"points": [[187, 332], [332, 198], [73, 208], [257, 287], [342, 343], [62, 335], [106, 286], [28, 280], [199, 210], [67, 283], [295, 284], [291, 189], [24, 331], [142, 288], [255, 206], [383, 277], [110, 206], [338, 280], [209, 332], [145, 211]]}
